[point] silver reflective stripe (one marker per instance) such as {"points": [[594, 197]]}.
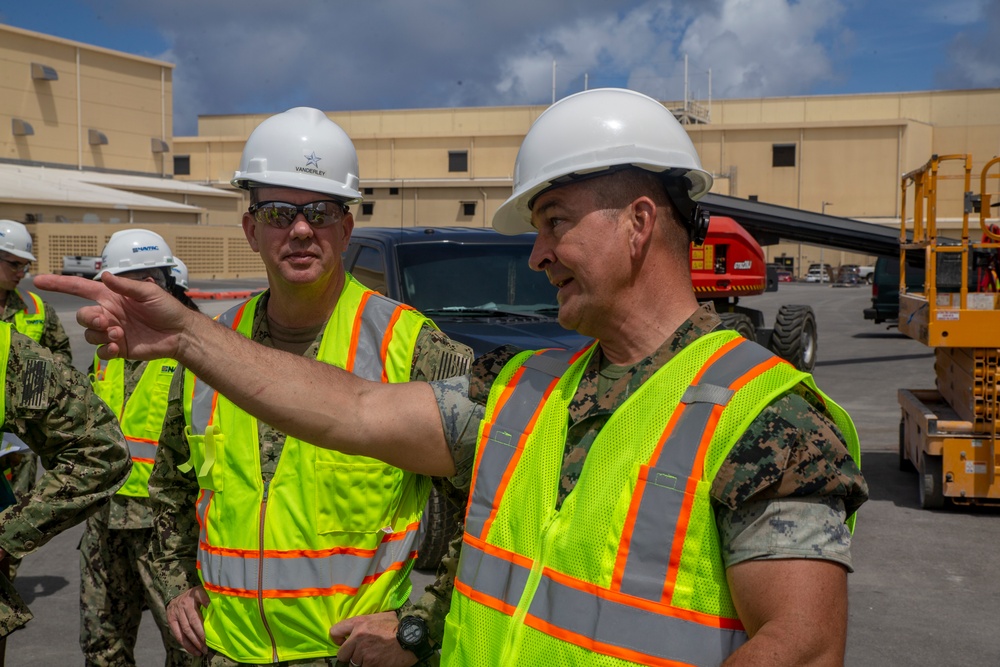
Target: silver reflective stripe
{"points": [[312, 576], [597, 618], [202, 511], [654, 532], [503, 435], [141, 450], [375, 319], [201, 401], [496, 577], [30, 307], [707, 393], [623, 625]]}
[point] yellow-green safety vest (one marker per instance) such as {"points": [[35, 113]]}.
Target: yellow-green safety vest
{"points": [[31, 320], [332, 536], [141, 417], [629, 570]]}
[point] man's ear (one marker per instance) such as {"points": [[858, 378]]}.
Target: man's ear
{"points": [[642, 219], [250, 230]]}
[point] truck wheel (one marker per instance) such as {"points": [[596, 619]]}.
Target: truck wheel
{"points": [[794, 338], [440, 529], [905, 464], [931, 488], [739, 323]]}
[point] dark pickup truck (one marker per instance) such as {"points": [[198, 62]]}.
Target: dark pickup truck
{"points": [[477, 286]]}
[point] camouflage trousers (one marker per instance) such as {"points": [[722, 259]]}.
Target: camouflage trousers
{"points": [[116, 584]]}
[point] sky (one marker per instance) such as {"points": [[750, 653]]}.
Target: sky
{"points": [[262, 56]]}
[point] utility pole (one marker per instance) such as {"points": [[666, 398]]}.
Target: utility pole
{"points": [[553, 81], [822, 266]]}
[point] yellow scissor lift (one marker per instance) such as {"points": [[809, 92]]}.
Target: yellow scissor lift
{"points": [[949, 434]]}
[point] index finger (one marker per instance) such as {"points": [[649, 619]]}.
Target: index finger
{"points": [[82, 287]]}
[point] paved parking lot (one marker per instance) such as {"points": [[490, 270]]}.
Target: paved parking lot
{"points": [[926, 584]]}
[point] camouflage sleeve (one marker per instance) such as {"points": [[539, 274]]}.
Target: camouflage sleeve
{"points": [[462, 403], [174, 495], [54, 336], [52, 407], [435, 356], [787, 486]]}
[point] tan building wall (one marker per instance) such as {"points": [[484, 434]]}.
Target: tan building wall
{"points": [[849, 151], [124, 99], [208, 252]]}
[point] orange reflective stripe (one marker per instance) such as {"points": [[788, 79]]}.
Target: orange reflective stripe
{"points": [[387, 338], [356, 332]]}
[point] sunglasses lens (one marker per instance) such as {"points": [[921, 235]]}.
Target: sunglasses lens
{"points": [[282, 215]]}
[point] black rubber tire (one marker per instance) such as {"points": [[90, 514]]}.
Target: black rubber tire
{"points": [[739, 323], [441, 519], [905, 465], [931, 482], [794, 338]]}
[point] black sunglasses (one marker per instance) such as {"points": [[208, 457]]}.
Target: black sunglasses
{"points": [[281, 215]]}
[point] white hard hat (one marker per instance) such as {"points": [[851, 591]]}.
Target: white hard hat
{"points": [[590, 132], [180, 273], [300, 148], [134, 249], [15, 239]]}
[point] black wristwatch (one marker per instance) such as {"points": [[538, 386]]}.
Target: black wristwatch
{"points": [[412, 636]]}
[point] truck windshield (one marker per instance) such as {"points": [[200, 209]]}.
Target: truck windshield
{"points": [[472, 278]]}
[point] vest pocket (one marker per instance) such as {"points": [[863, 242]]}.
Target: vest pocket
{"points": [[355, 497]]}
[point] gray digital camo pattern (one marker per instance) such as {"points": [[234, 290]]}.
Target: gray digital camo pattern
{"points": [[790, 451], [116, 575], [52, 407], [176, 493], [23, 466]]}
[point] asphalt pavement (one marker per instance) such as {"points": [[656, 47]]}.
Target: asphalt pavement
{"points": [[925, 586]]}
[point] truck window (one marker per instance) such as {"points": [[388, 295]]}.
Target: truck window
{"points": [[369, 269], [496, 276]]}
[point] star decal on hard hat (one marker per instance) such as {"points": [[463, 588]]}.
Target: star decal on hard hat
{"points": [[312, 159]]}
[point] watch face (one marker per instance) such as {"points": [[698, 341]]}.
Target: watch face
{"points": [[411, 633]]}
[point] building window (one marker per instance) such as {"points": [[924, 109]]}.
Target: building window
{"points": [[783, 155], [468, 208], [393, 191], [752, 198], [182, 165], [458, 160], [368, 191], [367, 207]]}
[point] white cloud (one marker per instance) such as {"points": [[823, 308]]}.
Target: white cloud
{"points": [[974, 54], [765, 47], [356, 54]]}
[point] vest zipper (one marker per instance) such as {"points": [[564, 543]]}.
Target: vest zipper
{"points": [[512, 648], [260, 574]]}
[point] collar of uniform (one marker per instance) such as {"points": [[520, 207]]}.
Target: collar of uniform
{"points": [[587, 403]]}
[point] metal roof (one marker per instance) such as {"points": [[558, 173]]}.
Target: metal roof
{"points": [[70, 187]]}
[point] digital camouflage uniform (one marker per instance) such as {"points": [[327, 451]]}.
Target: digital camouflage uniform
{"points": [[22, 467], [52, 407], [116, 576], [175, 493], [790, 453]]}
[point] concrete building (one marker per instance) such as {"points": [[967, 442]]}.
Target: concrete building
{"points": [[103, 119]]}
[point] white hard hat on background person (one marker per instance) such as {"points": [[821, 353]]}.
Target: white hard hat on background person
{"points": [[300, 148], [15, 239], [588, 133], [134, 249], [180, 273]]}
